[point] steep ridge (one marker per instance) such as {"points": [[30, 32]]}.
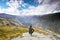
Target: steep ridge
{"points": [[51, 22], [4, 21]]}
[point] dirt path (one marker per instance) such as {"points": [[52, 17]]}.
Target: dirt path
{"points": [[35, 36]]}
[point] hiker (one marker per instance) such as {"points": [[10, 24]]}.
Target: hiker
{"points": [[31, 30]]}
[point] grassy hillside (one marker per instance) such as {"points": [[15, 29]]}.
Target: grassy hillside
{"points": [[8, 30]]}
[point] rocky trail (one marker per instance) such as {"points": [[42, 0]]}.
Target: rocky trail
{"points": [[35, 36]]}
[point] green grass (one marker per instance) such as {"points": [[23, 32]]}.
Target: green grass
{"points": [[7, 32]]}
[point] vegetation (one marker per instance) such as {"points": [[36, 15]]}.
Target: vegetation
{"points": [[7, 32]]}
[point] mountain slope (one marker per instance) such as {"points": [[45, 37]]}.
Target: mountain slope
{"points": [[9, 22], [9, 30], [50, 21]]}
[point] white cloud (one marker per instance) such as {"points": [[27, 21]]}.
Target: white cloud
{"points": [[43, 9], [12, 9], [40, 10]]}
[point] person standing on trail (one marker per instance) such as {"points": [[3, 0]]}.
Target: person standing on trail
{"points": [[31, 30]]}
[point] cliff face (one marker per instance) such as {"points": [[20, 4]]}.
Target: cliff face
{"points": [[51, 22]]}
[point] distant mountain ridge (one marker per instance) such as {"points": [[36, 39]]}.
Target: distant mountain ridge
{"points": [[26, 20]]}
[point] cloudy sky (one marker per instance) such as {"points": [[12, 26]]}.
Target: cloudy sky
{"points": [[29, 7]]}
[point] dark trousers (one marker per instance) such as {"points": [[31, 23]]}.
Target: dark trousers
{"points": [[30, 33]]}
